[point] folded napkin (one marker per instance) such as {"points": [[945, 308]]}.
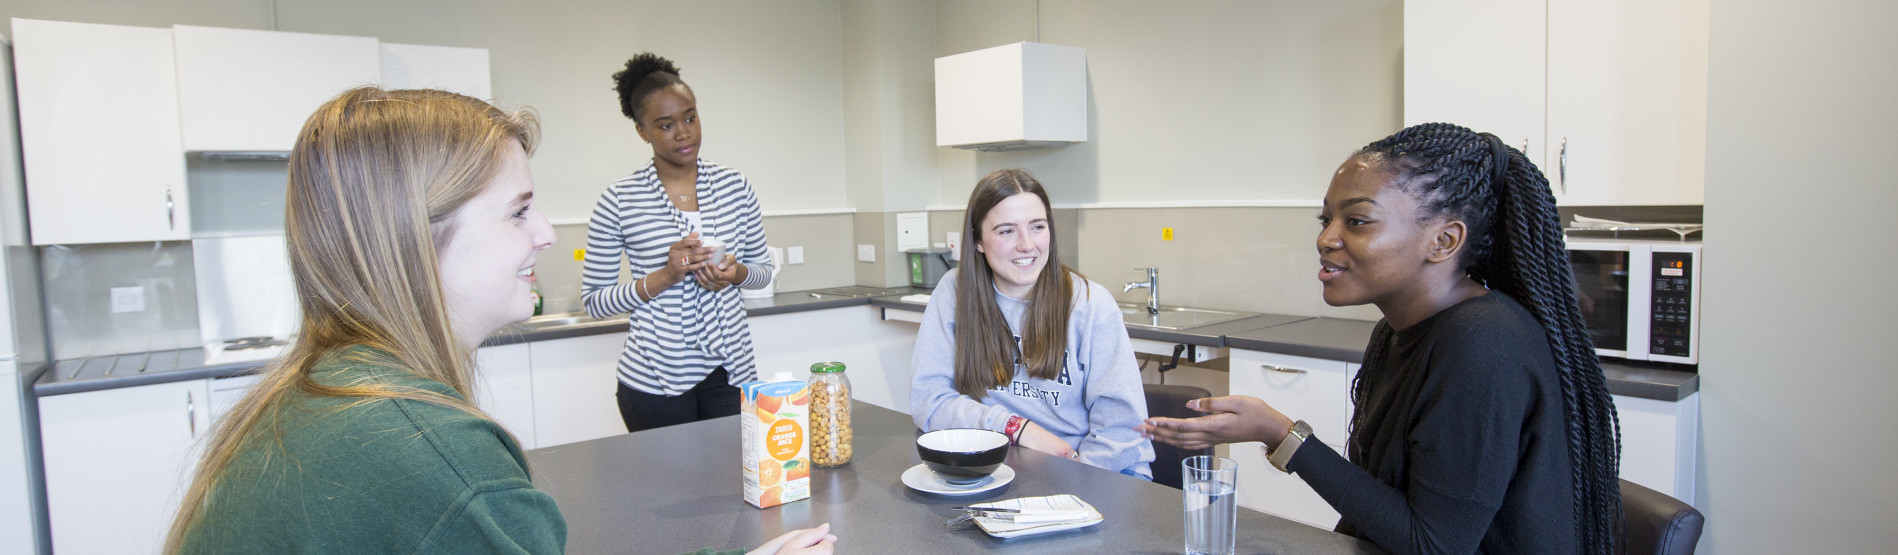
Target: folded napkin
{"points": [[920, 298], [1039, 515]]}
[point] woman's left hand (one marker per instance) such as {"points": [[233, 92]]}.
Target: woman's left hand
{"points": [[1039, 439], [1230, 420], [720, 274]]}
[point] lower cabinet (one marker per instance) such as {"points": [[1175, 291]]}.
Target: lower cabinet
{"points": [[573, 385], [504, 388], [875, 352], [1659, 440], [117, 463]]}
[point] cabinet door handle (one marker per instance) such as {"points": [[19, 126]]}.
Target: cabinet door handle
{"points": [[171, 215], [1282, 369], [1562, 166], [191, 415]]}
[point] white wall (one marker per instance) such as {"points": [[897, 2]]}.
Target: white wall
{"points": [[1197, 101], [1796, 376]]}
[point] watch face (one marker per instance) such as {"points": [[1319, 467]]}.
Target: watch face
{"points": [[1302, 429]]}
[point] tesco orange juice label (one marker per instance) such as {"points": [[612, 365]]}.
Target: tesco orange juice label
{"points": [[776, 455]]}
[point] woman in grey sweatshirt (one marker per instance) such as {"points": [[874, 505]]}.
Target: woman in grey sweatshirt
{"points": [[1041, 353]]}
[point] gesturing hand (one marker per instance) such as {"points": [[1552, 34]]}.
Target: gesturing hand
{"points": [[1229, 420]]}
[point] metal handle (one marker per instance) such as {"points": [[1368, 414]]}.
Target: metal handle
{"points": [[171, 218], [191, 414], [1283, 369], [1562, 168]]}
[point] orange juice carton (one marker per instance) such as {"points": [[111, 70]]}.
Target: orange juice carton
{"points": [[776, 455]]}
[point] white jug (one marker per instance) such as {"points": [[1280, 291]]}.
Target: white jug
{"points": [[771, 288]]}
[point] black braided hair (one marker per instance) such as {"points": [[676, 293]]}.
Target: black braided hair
{"points": [[1515, 246], [644, 74]]}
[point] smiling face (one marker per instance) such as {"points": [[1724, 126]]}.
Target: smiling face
{"points": [[488, 258], [1015, 243], [1373, 247], [669, 121]]}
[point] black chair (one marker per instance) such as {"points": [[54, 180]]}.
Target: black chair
{"points": [[1656, 523], [1170, 401]]}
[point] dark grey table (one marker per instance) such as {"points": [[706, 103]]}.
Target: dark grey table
{"points": [[676, 489]]}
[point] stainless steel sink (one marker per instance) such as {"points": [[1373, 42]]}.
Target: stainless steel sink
{"points": [[1176, 318], [557, 320]]}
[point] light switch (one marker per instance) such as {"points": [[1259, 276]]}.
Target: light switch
{"points": [[128, 299], [866, 253], [793, 255]]}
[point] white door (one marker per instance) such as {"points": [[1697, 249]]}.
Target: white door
{"points": [[1314, 390], [117, 462], [1478, 64], [504, 388], [1627, 101], [574, 386], [249, 90], [99, 129], [16, 503]]}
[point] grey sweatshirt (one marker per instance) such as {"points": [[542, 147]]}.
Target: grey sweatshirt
{"points": [[1094, 404]]}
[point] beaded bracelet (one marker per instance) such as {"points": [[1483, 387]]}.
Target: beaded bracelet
{"points": [[1016, 425]]}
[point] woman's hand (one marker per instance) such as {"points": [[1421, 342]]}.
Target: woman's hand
{"points": [[1039, 439], [1230, 420], [684, 258], [721, 274], [814, 541]]}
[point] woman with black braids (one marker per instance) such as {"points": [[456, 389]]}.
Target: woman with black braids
{"points": [[1483, 422]]}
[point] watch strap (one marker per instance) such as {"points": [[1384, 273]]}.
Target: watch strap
{"points": [[1281, 458]]}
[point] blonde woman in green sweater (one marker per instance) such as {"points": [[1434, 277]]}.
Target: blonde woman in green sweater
{"points": [[411, 231]]}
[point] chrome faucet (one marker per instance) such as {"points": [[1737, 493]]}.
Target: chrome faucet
{"points": [[1153, 289]]}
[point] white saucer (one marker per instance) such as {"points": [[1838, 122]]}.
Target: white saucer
{"points": [[920, 478]]}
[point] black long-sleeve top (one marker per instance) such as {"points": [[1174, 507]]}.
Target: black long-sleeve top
{"points": [[1462, 446]]}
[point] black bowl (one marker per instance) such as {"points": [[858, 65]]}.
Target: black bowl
{"points": [[962, 455]]}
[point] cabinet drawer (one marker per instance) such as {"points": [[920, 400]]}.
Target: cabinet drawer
{"points": [[1314, 390]]}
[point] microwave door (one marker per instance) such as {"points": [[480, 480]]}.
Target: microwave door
{"points": [[1602, 283], [1640, 300]]}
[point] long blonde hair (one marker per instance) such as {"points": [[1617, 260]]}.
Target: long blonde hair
{"points": [[375, 177]]}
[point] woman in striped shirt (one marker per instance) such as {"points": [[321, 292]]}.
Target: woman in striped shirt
{"points": [[689, 343]]}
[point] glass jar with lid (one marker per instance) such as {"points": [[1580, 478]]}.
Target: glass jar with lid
{"points": [[830, 414]]}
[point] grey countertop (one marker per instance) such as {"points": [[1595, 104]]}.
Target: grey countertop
{"points": [[1324, 338], [677, 489]]}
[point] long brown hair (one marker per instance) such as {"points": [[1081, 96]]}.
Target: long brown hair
{"points": [[986, 352], [375, 178]]}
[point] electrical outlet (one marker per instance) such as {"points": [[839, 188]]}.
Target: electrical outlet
{"points": [[866, 253], [128, 299], [793, 255]]}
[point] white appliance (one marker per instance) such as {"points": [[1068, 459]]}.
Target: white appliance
{"points": [[22, 342], [1640, 299], [1011, 97], [770, 289]]}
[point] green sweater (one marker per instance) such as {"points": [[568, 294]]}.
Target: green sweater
{"points": [[387, 476]]}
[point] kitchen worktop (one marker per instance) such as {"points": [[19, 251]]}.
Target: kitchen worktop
{"points": [[1324, 338]]}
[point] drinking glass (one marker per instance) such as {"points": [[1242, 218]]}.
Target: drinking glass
{"points": [[1211, 504]]}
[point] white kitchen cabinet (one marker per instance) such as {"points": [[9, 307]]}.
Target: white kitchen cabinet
{"points": [[1610, 95], [99, 129], [250, 90], [575, 381], [1659, 441], [1627, 101], [1314, 390], [454, 69], [1479, 64], [117, 462], [504, 388], [875, 352]]}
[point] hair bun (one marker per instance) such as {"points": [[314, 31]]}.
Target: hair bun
{"points": [[638, 70]]}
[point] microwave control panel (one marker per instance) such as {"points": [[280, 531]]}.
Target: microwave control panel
{"points": [[1673, 304]]}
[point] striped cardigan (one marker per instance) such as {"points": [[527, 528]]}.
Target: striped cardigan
{"points": [[686, 331]]}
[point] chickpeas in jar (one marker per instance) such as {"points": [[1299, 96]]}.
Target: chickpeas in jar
{"points": [[830, 415]]}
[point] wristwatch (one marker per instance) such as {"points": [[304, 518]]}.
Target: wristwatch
{"points": [[1283, 455]]}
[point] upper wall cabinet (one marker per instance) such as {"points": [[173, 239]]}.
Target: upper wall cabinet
{"points": [[1609, 95], [413, 66], [245, 90], [99, 131]]}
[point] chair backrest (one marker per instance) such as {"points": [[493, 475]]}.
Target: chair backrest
{"points": [[1657, 523], [1170, 401]]}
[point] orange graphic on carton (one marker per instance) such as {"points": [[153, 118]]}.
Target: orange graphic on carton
{"points": [[776, 451]]}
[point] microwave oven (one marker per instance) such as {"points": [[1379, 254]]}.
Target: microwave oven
{"points": [[1640, 299]]}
